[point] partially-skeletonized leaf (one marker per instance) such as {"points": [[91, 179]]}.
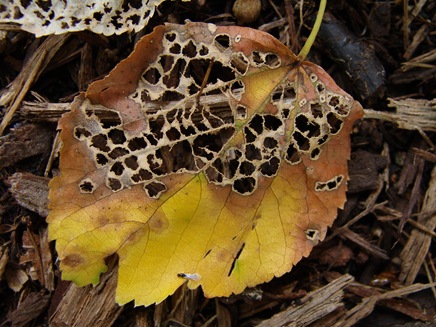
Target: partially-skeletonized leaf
{"points": [[225, 184], [43, 17]]}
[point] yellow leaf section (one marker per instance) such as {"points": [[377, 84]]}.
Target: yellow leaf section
{"points": [[206, 227]]}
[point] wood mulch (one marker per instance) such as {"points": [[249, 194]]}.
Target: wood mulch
{"points": [[377, 264]]}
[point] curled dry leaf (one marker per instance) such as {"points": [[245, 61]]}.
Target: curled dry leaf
{"points": [[61, 16], [225, 167]]}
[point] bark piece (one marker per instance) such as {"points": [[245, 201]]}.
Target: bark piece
{"points": [[88, 306], [23, 142], [364, 168], [30, 191], [315, 305], [32, 306], [416, 248]]}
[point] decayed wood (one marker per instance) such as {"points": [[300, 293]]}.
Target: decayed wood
{"points": [[363, 169], [30, 191], [30, 308], [46, 260], [372, 296], [89, 306], [411, 114], [315, 305], [418, 244], [23, 142]]}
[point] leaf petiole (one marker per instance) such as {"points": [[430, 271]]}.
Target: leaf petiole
{"points": [[309, 42]]}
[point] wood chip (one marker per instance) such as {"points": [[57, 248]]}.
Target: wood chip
{"points": [[89, 306], [418, 244], [28, 75], [23, 142], [30, 192], [315, 305]]}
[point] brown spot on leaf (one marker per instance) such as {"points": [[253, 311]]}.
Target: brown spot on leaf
{"points": [[72, 260], [158, 223]]}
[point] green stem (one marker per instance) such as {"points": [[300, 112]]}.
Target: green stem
{"points": [[309, 42]]}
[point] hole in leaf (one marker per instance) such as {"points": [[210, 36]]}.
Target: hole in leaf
{"points": [[86, 186], [137, 143], [101, 159], [285, 113], [135, 19], [172, 80], [312, 235], [187, 131], [246, 168], [175, 49], [292, 155], [237, 89], [156, 126], [316, 110], [142, 175], [320, 87], [190, 50], [315, 153], [170, 36], [155, 189], [272, 123], [81, 133], [152, 76], [244, 185], [99, 141], [117, 168], [118, 152], [270, 167], [173, 134], [272, 60], [256, 123], [323, 139], [114, 184], [334, 122], [232, 267], [97, 16], [172, 96], [234, 162], [257, 59], [329, 185], [303, 142], [270, 142], [204, 51], [166, 62], [342, 109], [131, 162], [277, 96], [222, 42], [252, 152], [117, 136], [306, 127], [290, 93], [239, 62], [197, 69], [249, 136], [180, 157], [334, 101], [241, 112]]}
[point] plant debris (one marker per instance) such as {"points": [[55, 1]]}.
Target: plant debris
{"points": [[377, 263]]}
